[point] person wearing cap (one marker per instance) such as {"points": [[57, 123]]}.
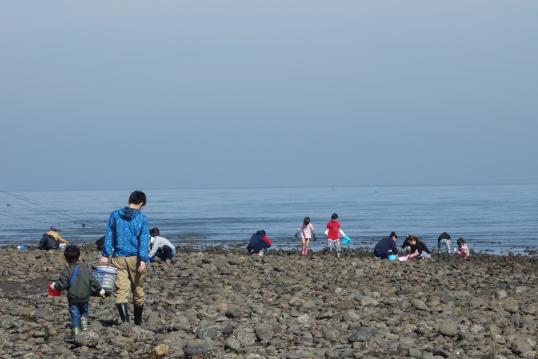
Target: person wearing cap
{"points": [[127, 242], [386, 246], [55, 234]]}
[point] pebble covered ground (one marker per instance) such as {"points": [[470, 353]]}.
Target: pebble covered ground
{"points": [[225, 304]]}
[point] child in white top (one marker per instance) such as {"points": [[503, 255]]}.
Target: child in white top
{"points": [[305, 233]]}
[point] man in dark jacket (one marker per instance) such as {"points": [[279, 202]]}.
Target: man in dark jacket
{"points": [[259, 243], [386, 246]]}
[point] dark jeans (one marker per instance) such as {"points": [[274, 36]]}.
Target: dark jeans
{"points": [[164, 252], [77, 310]]}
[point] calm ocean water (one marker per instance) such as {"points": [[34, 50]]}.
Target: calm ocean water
{"points": [[492, 218]]}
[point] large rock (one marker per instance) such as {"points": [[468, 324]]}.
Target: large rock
{"points": [[232, 343], [88, 339], [160, 350], [197, 347], [520, 346], [500, 294], [420, 305], [43, 313], [448, 328], [350, 316], [264, 332], [362, 334]]}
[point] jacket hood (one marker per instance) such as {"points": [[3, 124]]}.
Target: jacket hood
{"points": [[129, 213]]}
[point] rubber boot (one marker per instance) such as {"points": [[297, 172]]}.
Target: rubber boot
{"points": [[138, 314], [74, 333], [124, 312], [83, 324]]}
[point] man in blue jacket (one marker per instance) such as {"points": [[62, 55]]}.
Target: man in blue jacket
{"points": [[127, 241], [386, 246]]}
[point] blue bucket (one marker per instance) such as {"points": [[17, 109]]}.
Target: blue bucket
{"points": [[392, 257]]}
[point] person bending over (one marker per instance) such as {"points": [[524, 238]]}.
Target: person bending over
{"points": [[161, 247], [418, 249], [259, 243], [386, 246]]}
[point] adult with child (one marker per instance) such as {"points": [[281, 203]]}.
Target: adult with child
{"points": [[387, 246], [161, 248], [127, 242], [305, 233], [80, 284], [259, 243]]}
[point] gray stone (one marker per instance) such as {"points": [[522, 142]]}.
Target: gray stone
{"points": [[363, 334], [420, 305], [207, 333], [329, 334], [234, 312], [198, 346], [264, 332], [88, 339], [415, 353], [351, 316], [43, 313], [500, 294], [520, 346], [232, 343], [448, 328]]}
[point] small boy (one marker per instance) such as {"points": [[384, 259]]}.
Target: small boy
{"points": [[79, 283]]}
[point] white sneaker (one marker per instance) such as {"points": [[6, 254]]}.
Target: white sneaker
{"points": [[338, 255]]}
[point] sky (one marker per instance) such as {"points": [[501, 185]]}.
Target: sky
{"points": [[247, 93]]}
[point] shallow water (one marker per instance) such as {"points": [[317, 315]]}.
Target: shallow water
{"points": [[491, 218]]}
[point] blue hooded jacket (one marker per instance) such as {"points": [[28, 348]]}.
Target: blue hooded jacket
{"points": [[127, 234]]}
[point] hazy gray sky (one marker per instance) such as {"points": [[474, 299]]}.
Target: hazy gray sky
{"points": [[172, 94]]}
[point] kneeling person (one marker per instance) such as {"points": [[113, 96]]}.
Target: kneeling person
{"points": [[161, 247], [259, 243], [386, 246]]}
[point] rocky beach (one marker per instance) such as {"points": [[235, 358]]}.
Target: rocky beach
{"points": [[225, 304]]}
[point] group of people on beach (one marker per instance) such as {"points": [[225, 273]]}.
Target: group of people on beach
{"points": [[129, 244], [412, 247]]}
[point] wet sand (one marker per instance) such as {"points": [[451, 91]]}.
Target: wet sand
{"points": [[225, 304]]}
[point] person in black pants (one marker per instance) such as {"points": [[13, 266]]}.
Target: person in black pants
{"points": [[386, 246]]}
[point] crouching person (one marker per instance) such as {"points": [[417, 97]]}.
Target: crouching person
{"points": [[127, 241], [80, 284], [259, 243], [161, 247]]}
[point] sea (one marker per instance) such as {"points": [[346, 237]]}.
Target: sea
{"points": [[496, 219]]}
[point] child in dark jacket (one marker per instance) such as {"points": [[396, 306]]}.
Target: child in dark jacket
{"points": [[79, 283]]}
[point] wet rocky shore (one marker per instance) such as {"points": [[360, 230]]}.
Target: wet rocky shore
{"points": [[225, 304]]}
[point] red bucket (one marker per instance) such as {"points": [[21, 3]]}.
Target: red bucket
{"points": [[53, 292]]}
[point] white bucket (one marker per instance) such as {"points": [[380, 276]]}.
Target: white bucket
{"points": [[106, 276]]}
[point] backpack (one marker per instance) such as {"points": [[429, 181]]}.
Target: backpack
{"points": [[47, 242]]}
